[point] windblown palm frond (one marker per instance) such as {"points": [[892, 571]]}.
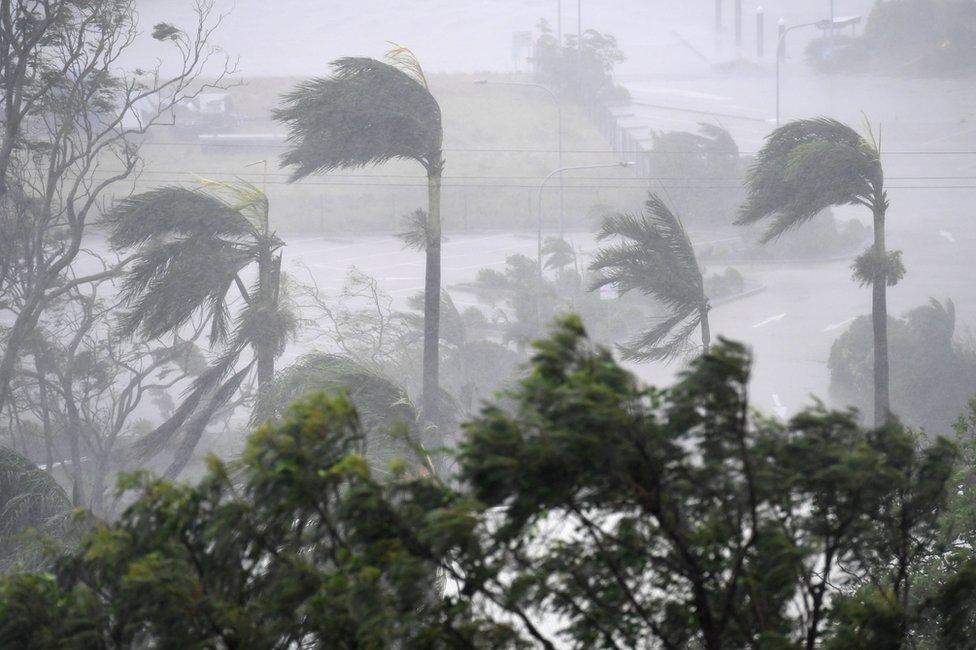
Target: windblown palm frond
{"points": [[557, 253], [404, 59], [655, 257], [367, 112], [805, 167], [173, 212], [29, 499], [415, 235], [192, 247]]}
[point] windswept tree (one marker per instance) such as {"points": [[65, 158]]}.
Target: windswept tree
{"points": [[653, 254], [367, 113], [807, 166], [193, 247], [71, 119]]}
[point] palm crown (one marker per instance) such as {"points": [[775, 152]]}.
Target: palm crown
{"points": [[655, 257], [368, 112], [807, 166]]}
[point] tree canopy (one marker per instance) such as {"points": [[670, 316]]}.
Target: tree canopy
{"points": [[592, 512]]}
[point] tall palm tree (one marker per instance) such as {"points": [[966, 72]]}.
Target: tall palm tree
{"points": [[655, 257], [192, 246], [369, 112], [809, 165]]}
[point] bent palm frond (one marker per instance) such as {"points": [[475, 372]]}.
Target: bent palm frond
{"points": [[368, 112], [805, 167], [654, 256], [29, 499]]}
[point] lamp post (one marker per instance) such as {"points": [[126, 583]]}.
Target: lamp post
{"points": [[542, 186], [823, 25], [559, 127]]}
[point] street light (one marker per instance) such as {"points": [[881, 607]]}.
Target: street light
{"points": [[559, 127], [823, 25], [542, 186]]}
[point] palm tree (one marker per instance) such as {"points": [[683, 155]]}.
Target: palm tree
{"points": [[807, 166], [193, 245], [369, 112], [383, 407], [656, 258], [30, 498]]}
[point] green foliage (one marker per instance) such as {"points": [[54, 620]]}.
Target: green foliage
{"points": [[580, 69], [192, 244], [869, 268], [383, 406], [702, 173], [367, 112], [32, 506], [723, 285], [524, 303], [655, 256], [805, 167], [932, 375], [191, 247], [910, 37], [593, 513]]}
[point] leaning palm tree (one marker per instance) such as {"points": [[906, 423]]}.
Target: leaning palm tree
{"points": [[369, 112], [193, 245], [655, 257], [809, 165]]}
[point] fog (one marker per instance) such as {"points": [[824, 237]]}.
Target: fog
{"points": [[209, 211]]}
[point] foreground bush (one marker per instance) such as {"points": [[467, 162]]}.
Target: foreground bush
{"points": [[595, 513]]}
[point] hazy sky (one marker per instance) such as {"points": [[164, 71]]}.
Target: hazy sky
{"points": [[301, 36]]}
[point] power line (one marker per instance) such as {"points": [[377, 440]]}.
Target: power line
{"points": [[282, 145], [570, 186], [420, 177]]}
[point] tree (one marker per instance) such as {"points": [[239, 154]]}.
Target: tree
{"points": [[85, 386], [192, 247], [597, 513], [387, 417], [701, 173], [807, 166], [71, 121], [655, 257], [933, 374], [30, 500], [369, 112]]}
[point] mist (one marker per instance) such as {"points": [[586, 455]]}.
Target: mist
{"points": [[494, 268]]}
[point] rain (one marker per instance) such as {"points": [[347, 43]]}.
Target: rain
{"points": [[487, 323]]}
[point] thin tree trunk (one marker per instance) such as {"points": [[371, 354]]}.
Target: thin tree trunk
{"points": [[706, 333], [879, 318], [432, 298], [264, 347]]}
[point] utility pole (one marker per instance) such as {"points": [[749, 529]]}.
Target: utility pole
{"points": [[738, 23], [760, 15]]}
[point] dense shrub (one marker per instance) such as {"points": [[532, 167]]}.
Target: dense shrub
{"points": [[932, 375]]}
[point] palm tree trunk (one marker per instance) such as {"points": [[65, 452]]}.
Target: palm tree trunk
{"points": [[264, 348], [432, 297], [879, 318], [706, 333]]}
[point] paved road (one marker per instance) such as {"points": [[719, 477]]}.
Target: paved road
{"points": [[790, 326]]}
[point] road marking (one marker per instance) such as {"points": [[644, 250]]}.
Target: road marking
{"points": [[839, 325], [772, 319], [947, 235], [778, 407]]}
